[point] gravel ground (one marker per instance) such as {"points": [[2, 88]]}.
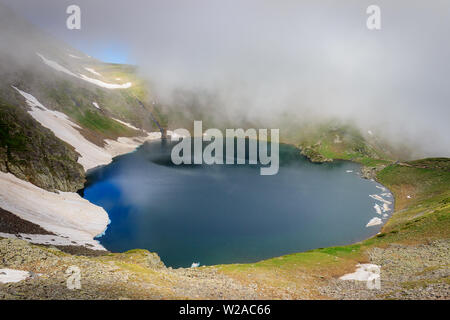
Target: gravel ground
{"points": [[121, 276], [407, 272], [10, 223]]}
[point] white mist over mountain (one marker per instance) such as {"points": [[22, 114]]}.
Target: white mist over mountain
{"points": [[260, 60]]}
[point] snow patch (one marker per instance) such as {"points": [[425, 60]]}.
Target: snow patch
{"points": [[99, 83], [93, 71], [377, 208], [125, 145], [13, 276], [364, 272], [106, 85], [377, 197], [61, 240], [374, 222], [126, 124]]}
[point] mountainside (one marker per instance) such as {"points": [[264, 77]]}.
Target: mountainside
{"points": [[93, 95]]}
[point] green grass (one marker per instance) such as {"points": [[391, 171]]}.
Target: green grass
{"points": [[339, 141], [75, 100], [11, 137], [16, 141], [97, 122]]}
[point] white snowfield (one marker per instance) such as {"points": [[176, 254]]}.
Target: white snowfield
{"points": [[125, 145], [56, 66], [13, 276], [73, 220], [65, 214], [126, 124]]}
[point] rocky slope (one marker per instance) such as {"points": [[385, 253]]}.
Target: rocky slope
{"points": [[136, 274], [34, 154]]}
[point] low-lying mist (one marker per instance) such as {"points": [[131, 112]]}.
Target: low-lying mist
{"points": [[261, 62]]}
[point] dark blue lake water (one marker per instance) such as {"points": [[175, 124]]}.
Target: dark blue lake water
{"points": [[227, 214]]}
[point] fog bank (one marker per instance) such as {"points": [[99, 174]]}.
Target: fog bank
{"points": [[257, 61]]}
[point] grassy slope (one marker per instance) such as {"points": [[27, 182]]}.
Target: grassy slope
{"points": [[422, 218], [76, 100], [344, 141]]}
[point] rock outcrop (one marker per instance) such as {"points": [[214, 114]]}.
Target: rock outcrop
{"points": [[33, 153]]}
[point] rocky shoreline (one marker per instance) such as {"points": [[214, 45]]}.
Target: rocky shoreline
{"points": [[407, 272]]}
